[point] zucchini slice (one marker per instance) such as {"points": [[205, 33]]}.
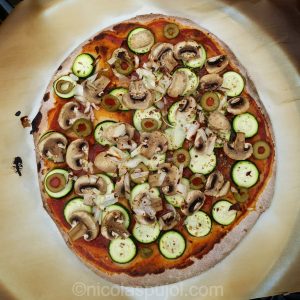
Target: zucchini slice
{"points": [[75, 204], [197, 62], [122, 251], [57, 183], [245, 174], [140, 40], [178, 199], [140, 114], [233, 83], [198, 224], [175, 137], [142, 188], [222, 214], [246, 123], [172, 114], [202, 163], [99, 129], [155, 161], [64, 87], [119, 92], [172, 244], [193, 81], [120, 208], [83, 65], [146, 233]]}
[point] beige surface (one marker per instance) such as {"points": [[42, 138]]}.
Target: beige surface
{"points": [[35, 263]]}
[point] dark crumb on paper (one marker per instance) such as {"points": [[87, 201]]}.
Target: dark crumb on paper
{"points": [[36, 123], [25, 122], [17, 113], [18, 165], [46, 97]]}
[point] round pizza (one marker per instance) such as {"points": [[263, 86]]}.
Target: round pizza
{"points": [[155, 154]]}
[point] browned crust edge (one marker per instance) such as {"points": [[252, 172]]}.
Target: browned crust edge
{"points": [[230, 241]]}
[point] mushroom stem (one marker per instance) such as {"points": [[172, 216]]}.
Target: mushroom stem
{"points": [[77, 232]]}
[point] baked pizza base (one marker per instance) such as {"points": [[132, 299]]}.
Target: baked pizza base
{"points": [[230, 240]]}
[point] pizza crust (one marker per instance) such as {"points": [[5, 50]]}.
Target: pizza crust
{"points": [[228, 242]]}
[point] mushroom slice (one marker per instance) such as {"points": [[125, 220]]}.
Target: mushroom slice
{"points": [[215, 185], [211, 82], [216, 64], [68, 114], [204, 143], [238, 105], [113, 225], [77, 154], [187, 51], [153, 143], [170, 218], [119, 53], [187, 109], [163, 54], [90, 184], [238, 150], [179, 84], [138, 97], [53, 146], [217, 121], [85, 226], [193, 202], [106, 162], [172, 178]]}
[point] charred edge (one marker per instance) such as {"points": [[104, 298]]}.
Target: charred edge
{"points": [[59, 68], [39, 166], [100, 36], [123, 27], [46, 97], [36, 123]]}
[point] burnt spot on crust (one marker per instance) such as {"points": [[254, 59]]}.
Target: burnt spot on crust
{"points": [[100, 36], [123, 27], [97, 49], [46, 96], [17, 165], [36, 123], [103, 50], [59, 68]]}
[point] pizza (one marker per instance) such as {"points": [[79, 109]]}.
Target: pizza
{"points": [[155, 153]]}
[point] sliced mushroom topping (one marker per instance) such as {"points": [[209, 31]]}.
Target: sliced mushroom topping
{"points": [[204, 143], [153, 143], [211, 82], [187, 51], [138, 97], [53, 146], [178, 84], [106, 162], [217, 121], [216, 185], [187, 108], [193, 202], [85, 226], [238, 105], [171, 180], [238, 150], [163, 54], [77, 154], [170, 218], [113, 225], [68, 114], [119, 53], [90, 184], [216, 64]]}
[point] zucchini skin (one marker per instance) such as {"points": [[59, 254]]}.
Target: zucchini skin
{"points": [[118, 262], [216, 219], [241, 162], [167, 232], [89, 74]]}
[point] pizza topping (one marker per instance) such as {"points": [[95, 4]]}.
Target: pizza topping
{"points": [[242, 195], [186, 110], [124, 66], [217, 121], [90, 184], [169, 219], [178, 84], [68, 114], [82, 127], [216, 64], [153, 143], [52, 146], [64, 87], [56, 182], [138, 97], [140, 40], [197, 181], [187, 51], [181, 157], [193, 202], [139, 174], [216, 185], [210, 101], [110, 102], [106, 162], [171, 180], [171, 31], [238, 150], [149, 124], [85, 226], [204, 141], [77, 154], [113, 225], [238, 105], [261, 150], [211, 82]]}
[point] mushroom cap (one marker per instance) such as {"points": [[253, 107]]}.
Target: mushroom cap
{"points": [[216, 64], [77, 154], [113, 225], [68, 114], [53, 146], [211, 82], [153, 143], [204, 143], [178, 84], [170, 218], [104, 162], [138, 97], [187, 108], [217, 121], [238, 105], [214, 183], [171, 180], [87, 220], [193, 202], [238, 150], [187, 50], [87, 183]]}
